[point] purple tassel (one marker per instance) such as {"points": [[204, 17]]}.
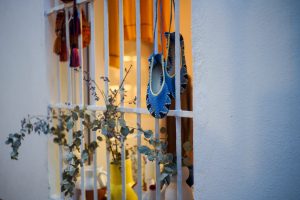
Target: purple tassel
{"points": [[77, 22], [74, 59]]}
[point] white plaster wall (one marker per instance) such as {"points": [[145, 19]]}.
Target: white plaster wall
{"points": [[247, 95], [24, 90]]}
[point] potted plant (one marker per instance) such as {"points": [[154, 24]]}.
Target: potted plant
{"points": [[110, 123], [157, 151]]}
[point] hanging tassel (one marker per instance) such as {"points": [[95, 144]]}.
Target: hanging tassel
{"points": [[60, 46], [63, 56], [74, 58], [57, 45], [77, 22], [74, 27]]}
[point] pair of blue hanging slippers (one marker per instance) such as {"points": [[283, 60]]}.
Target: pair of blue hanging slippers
{"points": [[161, 86]]}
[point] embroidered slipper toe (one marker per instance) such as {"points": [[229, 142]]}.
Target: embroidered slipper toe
{"points": [[158, 96], [170, 64]]}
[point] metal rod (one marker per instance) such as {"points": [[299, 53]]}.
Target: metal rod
{"points": [[138, 94], [81, 96], [143, 111], [60, 150], [92, 76], [157, 168], [121, 39], [178, 102], [106, 74]]}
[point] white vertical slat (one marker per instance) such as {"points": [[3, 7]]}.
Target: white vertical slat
{"points": [[92, 76], [157, 168], [121, 39], [60, 157], [70, 136], [138, 93], [155, 42], [60, 151], [106, 74], [82, 185], [178, 102]]}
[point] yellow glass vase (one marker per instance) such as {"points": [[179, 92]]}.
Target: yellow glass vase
{"points": [[116, 182]]}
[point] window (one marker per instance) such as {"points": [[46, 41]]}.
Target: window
{"points": [[105, 56]]}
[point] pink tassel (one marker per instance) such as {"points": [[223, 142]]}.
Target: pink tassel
{"points": [[75, 60]]}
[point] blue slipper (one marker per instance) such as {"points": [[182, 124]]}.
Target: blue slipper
{"points": [[158, 96], [170, 64]]}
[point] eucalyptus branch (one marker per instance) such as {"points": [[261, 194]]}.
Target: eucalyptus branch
{"points": [[110, 123]]}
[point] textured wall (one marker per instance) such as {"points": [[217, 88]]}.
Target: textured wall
{"points": [[247, 95], [24, 90]]}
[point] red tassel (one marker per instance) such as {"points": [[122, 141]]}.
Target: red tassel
{"points": [[74, 60]]}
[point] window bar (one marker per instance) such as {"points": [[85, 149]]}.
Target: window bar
{"points": [[60, 153], [60, 166], [178, 103], [92, 76], [82, 184], [106, 74], [138, 94], [60, 150], [157, 169], [70, 137], [121, 39]]}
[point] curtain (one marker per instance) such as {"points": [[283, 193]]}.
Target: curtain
{"points": [[146, 10]]}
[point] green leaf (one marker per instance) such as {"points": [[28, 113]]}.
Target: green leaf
{"points": [[111, 123], [169, 157], [76, 109], [163, 129], [131, 131], [169, 170], [144, 150], [84, 155], [163, 176], [70, 125], [104, 130], [148, 133], [81, 114], [9, 140], [74, 116], [125, 131], [69, 156]]}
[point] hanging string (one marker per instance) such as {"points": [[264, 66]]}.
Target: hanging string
{"points": [[155, 22], [170, 25], [161, 29], [171, 14]]}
